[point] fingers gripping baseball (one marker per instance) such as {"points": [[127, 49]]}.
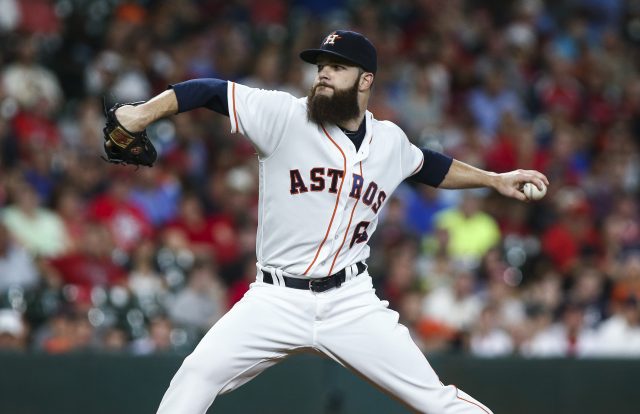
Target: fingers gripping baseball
{"points": [[512, 184]]}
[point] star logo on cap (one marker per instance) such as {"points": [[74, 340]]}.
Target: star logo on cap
{"points": [[331, 39]]}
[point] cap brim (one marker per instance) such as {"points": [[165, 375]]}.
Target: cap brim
{"points": [[311, 56]]}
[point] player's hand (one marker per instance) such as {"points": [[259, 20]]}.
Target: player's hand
{"points": [[130, 117], [122, 146], [510, 184]]}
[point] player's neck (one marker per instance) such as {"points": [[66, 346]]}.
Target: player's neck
{"points": [[354, 123]]}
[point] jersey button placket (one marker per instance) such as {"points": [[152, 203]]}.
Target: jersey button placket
{"points": [[349, 184]]}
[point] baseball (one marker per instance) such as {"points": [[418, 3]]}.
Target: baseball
{"points": [[532, 192]]}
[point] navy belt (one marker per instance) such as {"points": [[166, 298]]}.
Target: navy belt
{"points": [[315, 285]]}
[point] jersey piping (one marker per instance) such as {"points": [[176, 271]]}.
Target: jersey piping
{"points": [[335, 208], [419, 166], [235, 113], [465, 400], [347, 231]]}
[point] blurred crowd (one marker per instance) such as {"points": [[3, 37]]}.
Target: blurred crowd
{"points": [[97, 257]]}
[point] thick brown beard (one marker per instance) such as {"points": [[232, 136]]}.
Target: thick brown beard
{"points": [[336, 109]]}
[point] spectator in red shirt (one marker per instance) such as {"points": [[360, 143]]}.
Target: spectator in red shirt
{"points": [[208, 235], [72, 210], [573, 233], [126, 222], [514, 147], [92, 265], [37, 91], [559, 92]]}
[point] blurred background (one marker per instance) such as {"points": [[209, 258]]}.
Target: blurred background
{"points": [[102, 258]]}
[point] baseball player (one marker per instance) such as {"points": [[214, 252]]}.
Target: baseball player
{"points": [[327, 166]]}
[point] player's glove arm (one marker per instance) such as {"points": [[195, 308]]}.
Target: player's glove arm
{"points": [[125, 137], [202, 93], [178, 98]]}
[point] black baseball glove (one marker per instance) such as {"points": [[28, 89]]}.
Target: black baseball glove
{"points": [[124, 147]]}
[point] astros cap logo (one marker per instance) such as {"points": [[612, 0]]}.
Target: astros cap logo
{"points": [[348, 45], [330, 40]]}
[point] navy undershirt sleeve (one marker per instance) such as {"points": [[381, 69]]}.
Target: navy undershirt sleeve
{"points": [[434, 168], [202, 93]]}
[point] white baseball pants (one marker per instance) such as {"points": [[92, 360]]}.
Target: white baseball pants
{"points": [[350, 324]]}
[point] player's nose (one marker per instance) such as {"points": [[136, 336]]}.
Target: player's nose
{"points": [[323, 73]]}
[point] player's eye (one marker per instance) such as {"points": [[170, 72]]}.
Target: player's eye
{"points": [[320, 68]]}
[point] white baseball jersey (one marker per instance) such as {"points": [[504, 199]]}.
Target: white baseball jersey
{"points": [[319, 204], [319, 197]]}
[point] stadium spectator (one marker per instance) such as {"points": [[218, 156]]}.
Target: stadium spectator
{"points": [[573, 234], [202, 302], [71, 208], [92, 265], [17, 268], [158, 339], [13, 332], [469, 231], [208, 235], [457, 306], [566, 338], [487, 338], [114, 340], [490, 102], [57, 336], [38, 229], [114, 209], [620, 334], [144, 281], [422, 206], [157, 194], [32, 85]]}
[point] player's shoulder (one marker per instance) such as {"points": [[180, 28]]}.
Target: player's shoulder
{"points": [[248, 87], [302, 101], [270, 93], [384, 124], [387, 129]]}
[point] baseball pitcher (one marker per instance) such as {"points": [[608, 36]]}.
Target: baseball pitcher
{"points": [[327, 167]]}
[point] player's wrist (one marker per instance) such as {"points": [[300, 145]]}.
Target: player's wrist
{"points": [[492, 180]]}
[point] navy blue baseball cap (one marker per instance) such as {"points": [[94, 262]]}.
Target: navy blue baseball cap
{"points": [[348, 45]]}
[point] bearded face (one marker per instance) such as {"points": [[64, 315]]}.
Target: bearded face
{"points": [[340, 107]]}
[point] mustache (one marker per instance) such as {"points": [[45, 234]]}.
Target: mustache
{"points": [[326, 85]]}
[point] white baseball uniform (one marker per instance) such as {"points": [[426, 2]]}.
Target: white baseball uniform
{"points": [[319, 203]]}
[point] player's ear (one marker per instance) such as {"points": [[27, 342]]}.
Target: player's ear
{"points": [[366, 80]]}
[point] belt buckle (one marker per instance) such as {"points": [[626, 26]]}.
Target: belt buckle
{"points": [[318, 283], [312, 284]]}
